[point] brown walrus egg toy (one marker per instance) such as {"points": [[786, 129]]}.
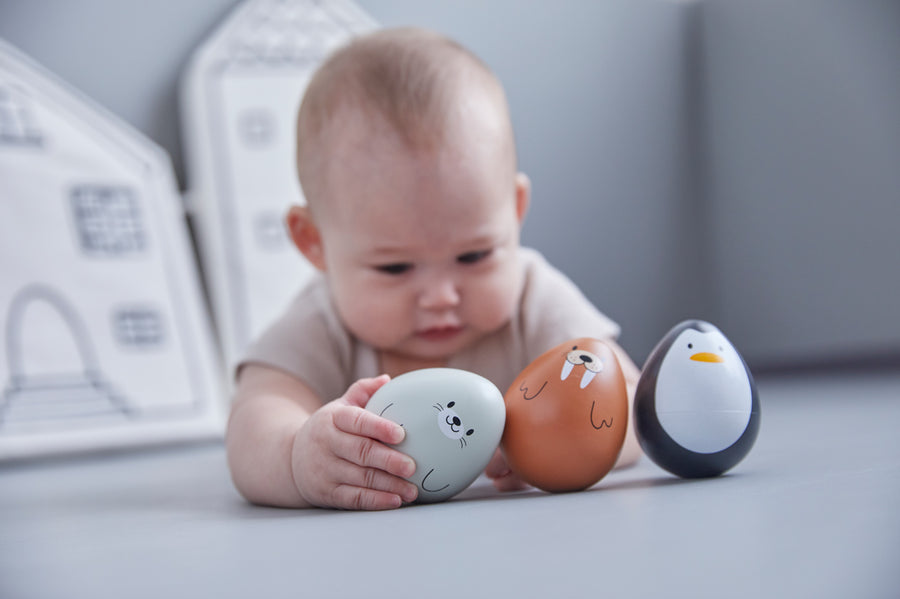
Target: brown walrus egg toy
{"points": [[566, 417]]}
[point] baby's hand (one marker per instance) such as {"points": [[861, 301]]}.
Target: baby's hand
{"points": [[501, 474], [339, 457]]}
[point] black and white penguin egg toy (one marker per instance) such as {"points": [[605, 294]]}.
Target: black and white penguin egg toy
{"points": [[696, 409]]}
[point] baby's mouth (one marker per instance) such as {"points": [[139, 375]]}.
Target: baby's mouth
{"points": [[442, 333]]}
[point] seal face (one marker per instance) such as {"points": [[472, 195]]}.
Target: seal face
{"points": [[451, 425]]}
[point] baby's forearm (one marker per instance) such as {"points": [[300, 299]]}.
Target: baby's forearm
{"points": [[259, 441], [631, 450]]}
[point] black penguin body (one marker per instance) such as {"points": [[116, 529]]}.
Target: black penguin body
{"points": [[696, 407]]}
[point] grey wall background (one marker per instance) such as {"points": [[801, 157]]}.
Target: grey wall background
{"points": [[802, 151], [733, 160]]}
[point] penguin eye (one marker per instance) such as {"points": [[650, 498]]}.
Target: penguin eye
{"points": [[690, 346]]}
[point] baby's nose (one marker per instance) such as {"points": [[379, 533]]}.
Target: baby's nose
{"points": [[440, 294]]}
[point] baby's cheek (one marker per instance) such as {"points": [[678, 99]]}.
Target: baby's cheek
{"points": [[373, 317], [378, 320], [492, 302]]}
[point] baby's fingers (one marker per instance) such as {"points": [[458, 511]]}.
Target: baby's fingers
{"points": [[371, 489], [357, 421], [497, 467], [502, 476], [369, 453], [357, 498]]}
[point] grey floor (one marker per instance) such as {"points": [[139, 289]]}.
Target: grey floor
{"points": [[813, 511]]}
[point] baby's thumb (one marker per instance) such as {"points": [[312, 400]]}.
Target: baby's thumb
{"points": [[362, 390]]}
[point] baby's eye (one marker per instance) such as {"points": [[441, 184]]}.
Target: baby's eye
{"points": [[394, 269], [473, 257]]}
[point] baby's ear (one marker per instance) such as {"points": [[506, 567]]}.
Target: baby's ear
{"points": [[305, 235], [523, 195]]}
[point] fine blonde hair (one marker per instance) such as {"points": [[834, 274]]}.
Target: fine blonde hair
{"points": [[410, 78]]}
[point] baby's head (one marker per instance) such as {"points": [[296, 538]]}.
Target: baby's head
{"points": [[407, 160], [399, 89]]}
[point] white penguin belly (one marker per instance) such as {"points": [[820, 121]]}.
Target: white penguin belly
{"points": [[703, 407]]}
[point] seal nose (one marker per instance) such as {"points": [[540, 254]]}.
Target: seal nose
{"points": [[457, 421]]}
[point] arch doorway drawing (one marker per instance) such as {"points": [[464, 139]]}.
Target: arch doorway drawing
{"points": [[54, 374]]}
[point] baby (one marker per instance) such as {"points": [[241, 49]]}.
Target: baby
{"points": [[406, 156]]}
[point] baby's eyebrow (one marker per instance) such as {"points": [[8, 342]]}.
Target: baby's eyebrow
{"points": [[388, 252], [485, 239]]}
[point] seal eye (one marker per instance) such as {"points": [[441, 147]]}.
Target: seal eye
{"points": [[451, 404], [469, 432]]}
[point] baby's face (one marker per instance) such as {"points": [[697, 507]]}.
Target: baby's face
{"points": [[421, 249]]}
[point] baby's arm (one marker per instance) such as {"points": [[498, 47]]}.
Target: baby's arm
{"points": [[631, 450], [285, 448]]}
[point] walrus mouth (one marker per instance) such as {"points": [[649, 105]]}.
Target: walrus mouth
{"points": [[586, 378]]}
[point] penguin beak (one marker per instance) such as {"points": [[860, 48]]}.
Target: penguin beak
{"points": [[707, 357]]}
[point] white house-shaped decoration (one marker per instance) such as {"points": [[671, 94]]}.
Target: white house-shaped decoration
{"points": [[240, 96], [105, 340]]}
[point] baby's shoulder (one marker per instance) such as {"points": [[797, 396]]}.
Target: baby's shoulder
{"points": [[543, 282], [553, 308]]}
